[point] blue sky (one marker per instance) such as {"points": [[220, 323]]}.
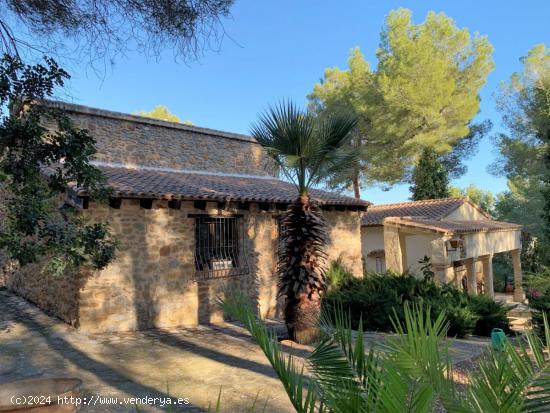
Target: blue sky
{"points": [[281, 48]]}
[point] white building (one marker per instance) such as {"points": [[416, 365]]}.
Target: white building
{"points": [[458, 237]]}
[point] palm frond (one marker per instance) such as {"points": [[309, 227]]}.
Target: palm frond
{"points": [[302, 393], [307, 149], [513, 380], [332, 153], [418, 357], [537, 396], [410, 373], [346, 374]]}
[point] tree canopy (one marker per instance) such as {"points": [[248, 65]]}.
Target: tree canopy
{"points": [[163, 113], [101, 30], [482, 198], [430, 179], [524, 101], [423, 93], [37, 165]]}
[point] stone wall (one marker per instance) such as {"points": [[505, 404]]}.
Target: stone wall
{"points": [[135, 140], [57, 294], [151, 283], [344, 230]]}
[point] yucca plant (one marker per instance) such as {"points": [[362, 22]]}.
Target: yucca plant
{"points": [[307, 150], [411, 372]]}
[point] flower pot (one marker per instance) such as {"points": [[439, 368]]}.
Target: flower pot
{"points": [[39, 395], [509, 288]]}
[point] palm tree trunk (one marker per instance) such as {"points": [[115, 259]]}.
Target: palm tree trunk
{"points": [[301, 268]]}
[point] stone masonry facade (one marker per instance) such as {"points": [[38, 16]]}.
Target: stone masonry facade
{"points": [[135, 140], [152, 282]]}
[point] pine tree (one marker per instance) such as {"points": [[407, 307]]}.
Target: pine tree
{"points": [[430, 179]]}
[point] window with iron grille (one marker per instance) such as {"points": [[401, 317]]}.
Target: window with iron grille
{"points": [[219, 247]]}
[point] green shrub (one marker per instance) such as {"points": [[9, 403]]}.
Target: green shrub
{"points": [[337, 274], [462, 321], [491, 314], [538, 293], [375, 298]]}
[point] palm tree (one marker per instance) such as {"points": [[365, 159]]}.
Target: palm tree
{"points": [[308, 150], [412, 372]]}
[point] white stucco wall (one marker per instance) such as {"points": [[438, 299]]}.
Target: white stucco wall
{"points": [[465, 212], [483, 243], [418, 246], [372, 238]]}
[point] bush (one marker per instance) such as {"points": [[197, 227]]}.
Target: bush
{"points": [[491, 314], [375, 298], [462, 321], [538, 293], [337, 274]]}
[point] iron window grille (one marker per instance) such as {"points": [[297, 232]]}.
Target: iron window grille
{"points": [[219, 247]]}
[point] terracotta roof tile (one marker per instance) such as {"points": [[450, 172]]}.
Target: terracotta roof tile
{"points": [[432, 208], [451, 226], [144, 183]]}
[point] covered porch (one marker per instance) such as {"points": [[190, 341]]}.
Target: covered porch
{"points": [[461, 252]]}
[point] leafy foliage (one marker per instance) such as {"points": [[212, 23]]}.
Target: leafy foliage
{"points": [[465, 149], [430, 179], [522, 203], [308, 150], [524, 102], [163, 113], [103, 29], [38, 165], [373, 300], [337, 275], [482, 198], [538, 293], [424, 93], [489, 313], [413, 373], [351, 91], [293, 379], [426, 268]]}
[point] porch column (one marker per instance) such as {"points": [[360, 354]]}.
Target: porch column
{"points": [[471, 274], [519, 296], [395, 247], [445, 273], [488, 276]]}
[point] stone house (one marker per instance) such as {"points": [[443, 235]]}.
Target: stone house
{"points": [[193, 209], [458, 237]]}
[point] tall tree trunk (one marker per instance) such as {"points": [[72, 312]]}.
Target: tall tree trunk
{"points": [[356, 186], [301, 268]]}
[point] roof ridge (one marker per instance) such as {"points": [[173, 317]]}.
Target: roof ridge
{"points": [[106, 113], [454, 226], [424, 201], [135, 167]]}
